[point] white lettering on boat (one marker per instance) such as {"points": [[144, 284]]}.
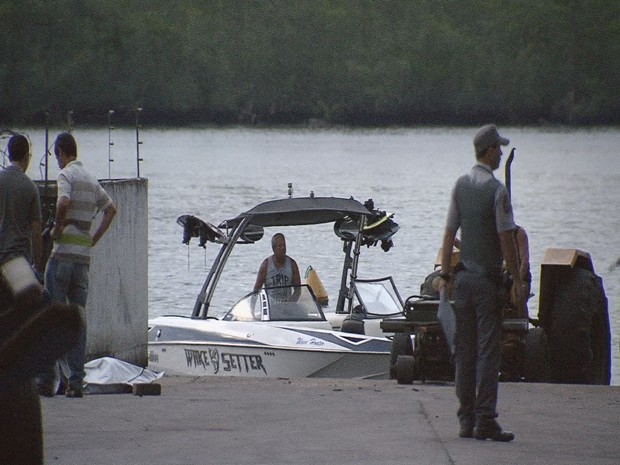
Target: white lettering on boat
{"points": [[242, 363], [312, 341]]}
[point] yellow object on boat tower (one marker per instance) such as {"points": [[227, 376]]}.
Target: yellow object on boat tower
{"points": [[313, 280]]}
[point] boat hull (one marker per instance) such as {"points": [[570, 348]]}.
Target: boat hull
{"points": [[261, 362], [259, 350]]}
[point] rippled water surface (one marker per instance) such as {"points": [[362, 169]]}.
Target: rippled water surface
{"points": [[565, 187]]}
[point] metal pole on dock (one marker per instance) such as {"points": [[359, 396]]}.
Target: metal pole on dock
{"points": [[110, 143], [138, 142], [47, 151]]}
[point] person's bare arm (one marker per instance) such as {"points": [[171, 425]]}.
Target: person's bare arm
{"points": [[62, 207], [446, 253], [509, 251], [37, 247], [261, 275], [524, 252], [108, 215], [296, 276], [296, 282]]}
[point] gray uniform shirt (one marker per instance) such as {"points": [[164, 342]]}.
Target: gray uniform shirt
{"points": [[481, 208]]}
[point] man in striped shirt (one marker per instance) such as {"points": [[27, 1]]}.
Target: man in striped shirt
{"points": [[80, 197]]}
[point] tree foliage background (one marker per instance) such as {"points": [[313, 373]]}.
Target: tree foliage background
{"points": [[370, 62]]}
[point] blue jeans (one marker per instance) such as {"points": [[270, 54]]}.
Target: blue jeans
{"points": [[68, 282]]}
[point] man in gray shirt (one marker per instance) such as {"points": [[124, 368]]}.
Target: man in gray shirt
{"points": [[20, 222], [21, 332], [480, 207]]}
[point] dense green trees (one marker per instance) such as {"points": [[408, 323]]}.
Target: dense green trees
{"points": [[288, 61]]}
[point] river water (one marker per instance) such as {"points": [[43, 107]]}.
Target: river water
{"points": [[565, 189]]}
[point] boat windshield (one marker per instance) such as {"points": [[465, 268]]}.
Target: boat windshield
{"points": [[281, 303], [378, 297]]}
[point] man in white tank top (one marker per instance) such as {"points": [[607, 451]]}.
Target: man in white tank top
{"points": [[278, 269]]}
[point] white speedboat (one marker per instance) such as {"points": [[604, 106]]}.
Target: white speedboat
{"points": [[261, 336], [276, 332]]}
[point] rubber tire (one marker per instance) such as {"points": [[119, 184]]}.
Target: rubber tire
{"points": [[405, 369], [401, 345], [579, 333], [537, 364]]}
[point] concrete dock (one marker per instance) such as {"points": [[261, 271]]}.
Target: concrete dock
{"points": [[327, 421]]}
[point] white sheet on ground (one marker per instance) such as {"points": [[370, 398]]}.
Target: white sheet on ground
{"points": [[108, 370]]}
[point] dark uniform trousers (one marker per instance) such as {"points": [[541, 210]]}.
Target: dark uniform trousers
{"points": [[478, 317]]}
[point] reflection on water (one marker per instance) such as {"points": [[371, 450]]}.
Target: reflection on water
{"points": [[565, 183]]}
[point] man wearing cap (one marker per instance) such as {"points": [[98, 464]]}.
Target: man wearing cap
{"points": [[480, 207]]}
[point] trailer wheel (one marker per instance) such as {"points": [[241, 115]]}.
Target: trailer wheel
{"points": [[579, 333], [537, 363], [405, 369], [401, 345]]}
